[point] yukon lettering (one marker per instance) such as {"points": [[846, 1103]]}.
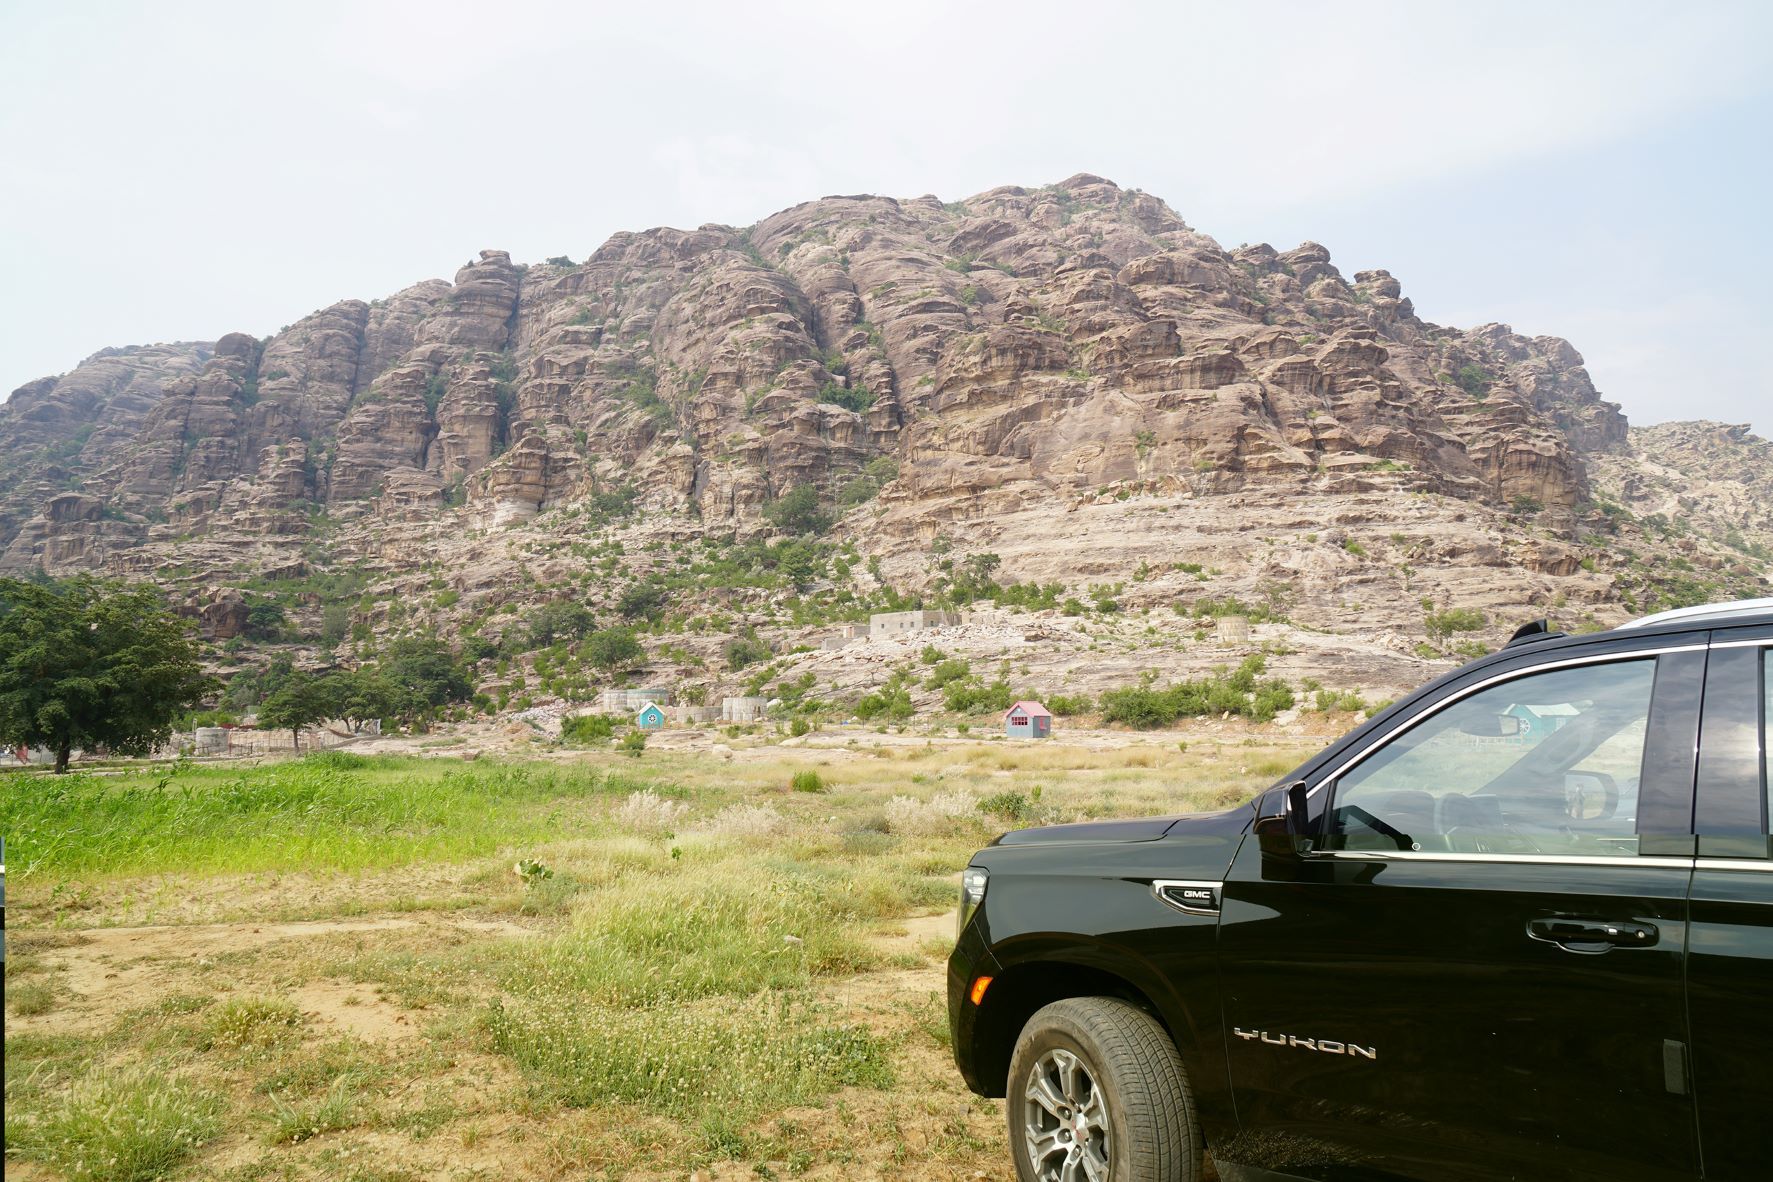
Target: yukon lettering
{"points": [[1327, 1046]]}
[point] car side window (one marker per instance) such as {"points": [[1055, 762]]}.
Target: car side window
{"points": [[1543, 763], [1767, 725]]}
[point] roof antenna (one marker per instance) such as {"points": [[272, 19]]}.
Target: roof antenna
{"points": [[1533, 630]]}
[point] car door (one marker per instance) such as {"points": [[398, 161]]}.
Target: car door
{"points": [[1472, 968], [1730, 957]]}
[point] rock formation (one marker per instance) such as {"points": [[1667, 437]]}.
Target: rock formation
{"points": [[1022, 355]]}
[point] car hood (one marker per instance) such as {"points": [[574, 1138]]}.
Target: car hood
{"points": [[1135, 829]]}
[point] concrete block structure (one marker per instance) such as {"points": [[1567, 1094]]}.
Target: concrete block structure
{"points": [[1233, 629], [209, 740], [743, 709], [626, 701], [889, 624]]}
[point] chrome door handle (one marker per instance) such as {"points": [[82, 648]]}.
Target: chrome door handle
{"points": [[1591, 935]]}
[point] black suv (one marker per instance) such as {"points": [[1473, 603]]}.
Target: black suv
{"points": [[1519, 925]]}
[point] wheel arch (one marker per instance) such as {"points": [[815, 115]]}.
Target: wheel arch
{"points": [[1023, 988]]}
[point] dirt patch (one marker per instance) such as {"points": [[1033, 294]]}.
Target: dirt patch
{"points": [[110, 971], [345, 1007]]}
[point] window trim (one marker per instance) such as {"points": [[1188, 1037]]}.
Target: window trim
{"points": [[1683, 862]]}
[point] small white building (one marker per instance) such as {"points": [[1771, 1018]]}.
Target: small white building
{"points": [[627, 701], [889, 624], [743, 709]]}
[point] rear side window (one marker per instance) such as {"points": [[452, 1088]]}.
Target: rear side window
{"points": [[1767, 726], [1547, 763]]}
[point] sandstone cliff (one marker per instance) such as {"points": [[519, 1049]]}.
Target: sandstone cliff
{"points": [[1069, 376]]}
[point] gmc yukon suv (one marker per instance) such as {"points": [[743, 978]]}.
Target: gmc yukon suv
{"points": [[1518, 925]]}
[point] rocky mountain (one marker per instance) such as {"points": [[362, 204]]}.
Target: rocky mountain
{"points": [[1070, 378]]}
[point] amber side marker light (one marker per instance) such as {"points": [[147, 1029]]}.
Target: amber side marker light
{"points": [[979, 988]]}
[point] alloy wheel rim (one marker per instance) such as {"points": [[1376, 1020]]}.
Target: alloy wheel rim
{"points": [[1065, 1120]]}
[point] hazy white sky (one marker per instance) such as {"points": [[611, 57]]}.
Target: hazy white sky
{"points": [[1591, 170]]}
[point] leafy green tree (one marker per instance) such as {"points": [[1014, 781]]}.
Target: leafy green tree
{"points": [[641, 601], [335, 623], [746, 650], [613, 649], [265, 618], [365, 694], [428, 669], [798, 512], [563, 619], [248, 687], [85, 663], [303, 700]]}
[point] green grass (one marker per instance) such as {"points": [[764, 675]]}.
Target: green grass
{"points": [[113, 1125], [294, 1121], [321, 812], [766, 1052], [30, 998], [683, 937]]}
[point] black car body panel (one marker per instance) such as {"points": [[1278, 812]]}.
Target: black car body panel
{"points": [[1490, 994]]}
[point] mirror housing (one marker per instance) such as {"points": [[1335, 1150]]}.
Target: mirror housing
{"points": [[1494, 726], [1590, 796], [1293, 820]]}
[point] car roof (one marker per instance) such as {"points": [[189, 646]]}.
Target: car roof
{"points": [[1628, 636]]}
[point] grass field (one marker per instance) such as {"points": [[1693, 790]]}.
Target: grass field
{"points": [[582, 966]]}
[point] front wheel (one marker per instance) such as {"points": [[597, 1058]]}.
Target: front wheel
{"points": [[1097, 1094]]}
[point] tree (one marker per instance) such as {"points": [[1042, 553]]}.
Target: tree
{"points": [[428, 669], [641, 601], [265, 618], [562, 619], [798, 512], [85, 663], [303, 701], [365, 694], [613, 649]]}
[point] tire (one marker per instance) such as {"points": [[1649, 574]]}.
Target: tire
{"points": [[1127, 1118]]}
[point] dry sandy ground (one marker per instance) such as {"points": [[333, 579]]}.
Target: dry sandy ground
{"points": [[485, 1129]]}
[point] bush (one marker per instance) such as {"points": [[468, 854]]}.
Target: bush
{"points": [[633, 743], [564, 619], [856, 398], [968, 696], [587, 728], [1011, 806], [1237, 692], [1443, 624], [798, 512], [746, 650], [946, 671], [1474, 380], [611, 649], [1256, 613], [1069, 705], [641, 601], [893, 702], [1347, 700], [807, 781]]}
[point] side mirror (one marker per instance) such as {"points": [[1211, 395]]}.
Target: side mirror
{"points": [[1492, 726], [1293, 821], [1590, 796]]}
